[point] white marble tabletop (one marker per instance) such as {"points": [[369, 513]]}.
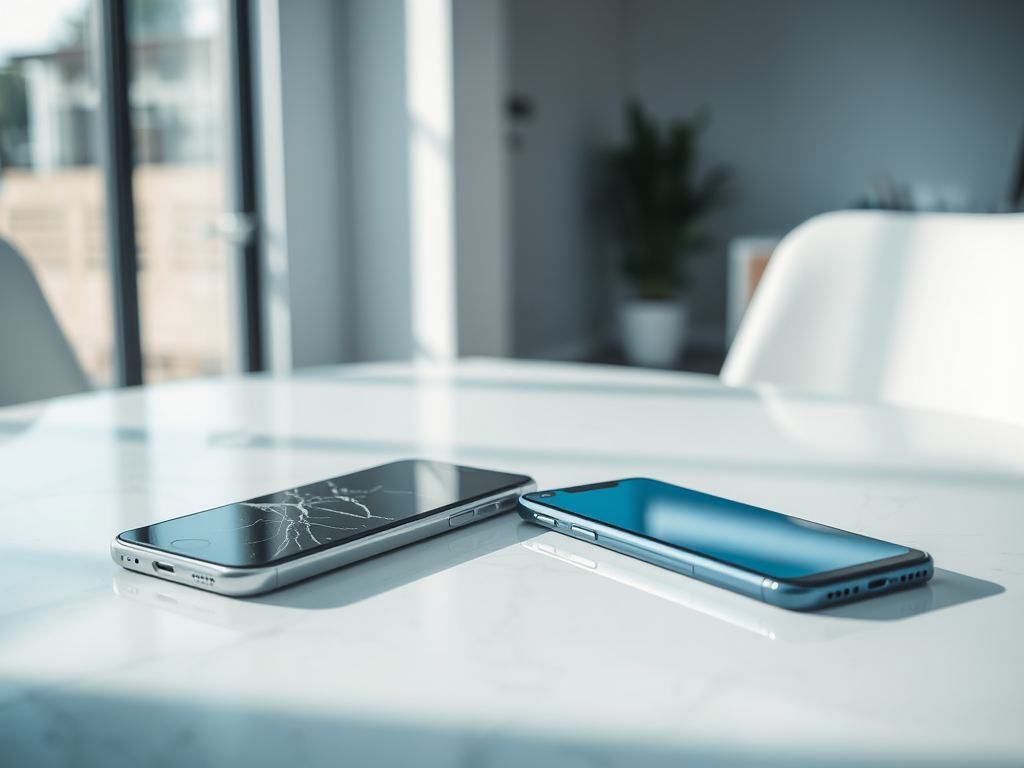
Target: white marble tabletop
{"points": [[500, 644]]}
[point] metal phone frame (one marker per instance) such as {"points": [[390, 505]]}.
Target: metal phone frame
{"points": [[237, 581], [770, 590]]}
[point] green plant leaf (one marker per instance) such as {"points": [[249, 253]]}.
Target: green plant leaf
{"points": [[654, 201]]}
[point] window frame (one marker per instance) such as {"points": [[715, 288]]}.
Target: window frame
{"points": [[116, 157]]}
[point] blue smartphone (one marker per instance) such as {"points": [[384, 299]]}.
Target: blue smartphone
{"points": [[782, 560]]}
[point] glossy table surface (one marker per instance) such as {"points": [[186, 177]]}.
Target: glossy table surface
{"points": [[500, 644]]}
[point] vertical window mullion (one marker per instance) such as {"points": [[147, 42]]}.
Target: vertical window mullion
{"points": [[242, 180], [116, 149]]}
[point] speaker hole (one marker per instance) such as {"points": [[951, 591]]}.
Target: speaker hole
{"points": [[903, 577], [846, 591], [136, 561], [856, 590]]}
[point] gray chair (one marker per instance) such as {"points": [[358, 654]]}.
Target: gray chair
{"points": [[36, 360]]}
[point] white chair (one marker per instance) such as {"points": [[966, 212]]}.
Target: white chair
{"points": [[36, 360], [922, 310]]}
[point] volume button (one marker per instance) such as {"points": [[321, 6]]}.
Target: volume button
{"points": [[545, 520], [585, 532], [460, 519], [487, 509]]}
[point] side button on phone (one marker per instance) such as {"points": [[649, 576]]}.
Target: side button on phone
{"points": [[460, 519], [487, 510], [585, 532], [545, 520]]}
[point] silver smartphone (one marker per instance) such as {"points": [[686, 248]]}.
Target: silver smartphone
{"points": [[270, 541], [782, 560]]}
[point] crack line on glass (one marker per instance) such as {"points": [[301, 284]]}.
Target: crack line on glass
{"points": [[301, 515]]}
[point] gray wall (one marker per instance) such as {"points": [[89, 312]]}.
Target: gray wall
{"points": [[566, 57], [374, 65], [809, 101], [303, 166], [483, 272]]}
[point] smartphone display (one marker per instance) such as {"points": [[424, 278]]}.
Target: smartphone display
{"points": [[730, 543], [282, 534]]}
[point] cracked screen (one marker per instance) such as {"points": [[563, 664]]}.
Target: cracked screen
{"points": [[284, 525]]}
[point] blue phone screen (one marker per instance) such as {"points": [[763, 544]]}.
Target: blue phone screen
{"points": [[750, 537]]}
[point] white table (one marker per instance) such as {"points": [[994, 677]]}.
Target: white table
{"points": [[500, 644]]}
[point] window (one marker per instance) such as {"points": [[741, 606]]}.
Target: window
{"points": [[163, 298], [51, 185]]}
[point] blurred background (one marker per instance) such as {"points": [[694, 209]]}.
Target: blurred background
{"points": [[326, 181], [52, 194]]}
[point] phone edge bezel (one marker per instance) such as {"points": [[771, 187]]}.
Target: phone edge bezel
{"points": [[394, 525], [816, 581], [254, 580]]}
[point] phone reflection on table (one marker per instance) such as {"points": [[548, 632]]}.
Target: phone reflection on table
{"points": [[336, 589], [761, 619], [208, 607]]}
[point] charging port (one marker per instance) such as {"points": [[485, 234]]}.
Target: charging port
{"points": [[877, 583], [163, 567]]}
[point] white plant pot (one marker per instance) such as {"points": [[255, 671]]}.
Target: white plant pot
{"points": [[654, 332]]}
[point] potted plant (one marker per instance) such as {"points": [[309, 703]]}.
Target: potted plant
{"points": [[656, 204]]}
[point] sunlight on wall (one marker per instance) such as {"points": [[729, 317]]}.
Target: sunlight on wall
{"points": [[432, 247]]}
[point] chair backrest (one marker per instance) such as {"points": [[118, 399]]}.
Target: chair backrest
{"points": [[36, 360], [924, 310]]}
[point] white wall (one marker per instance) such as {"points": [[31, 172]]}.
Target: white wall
{"points": [[350, 186], [810, 99], [403, 164]]}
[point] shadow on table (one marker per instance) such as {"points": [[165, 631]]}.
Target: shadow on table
{"points": [[336, 589], [65, 725], [399, 567], [391, 570], [945, 590]]}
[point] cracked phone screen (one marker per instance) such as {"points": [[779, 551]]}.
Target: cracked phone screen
{"points": [[288, 524]]}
